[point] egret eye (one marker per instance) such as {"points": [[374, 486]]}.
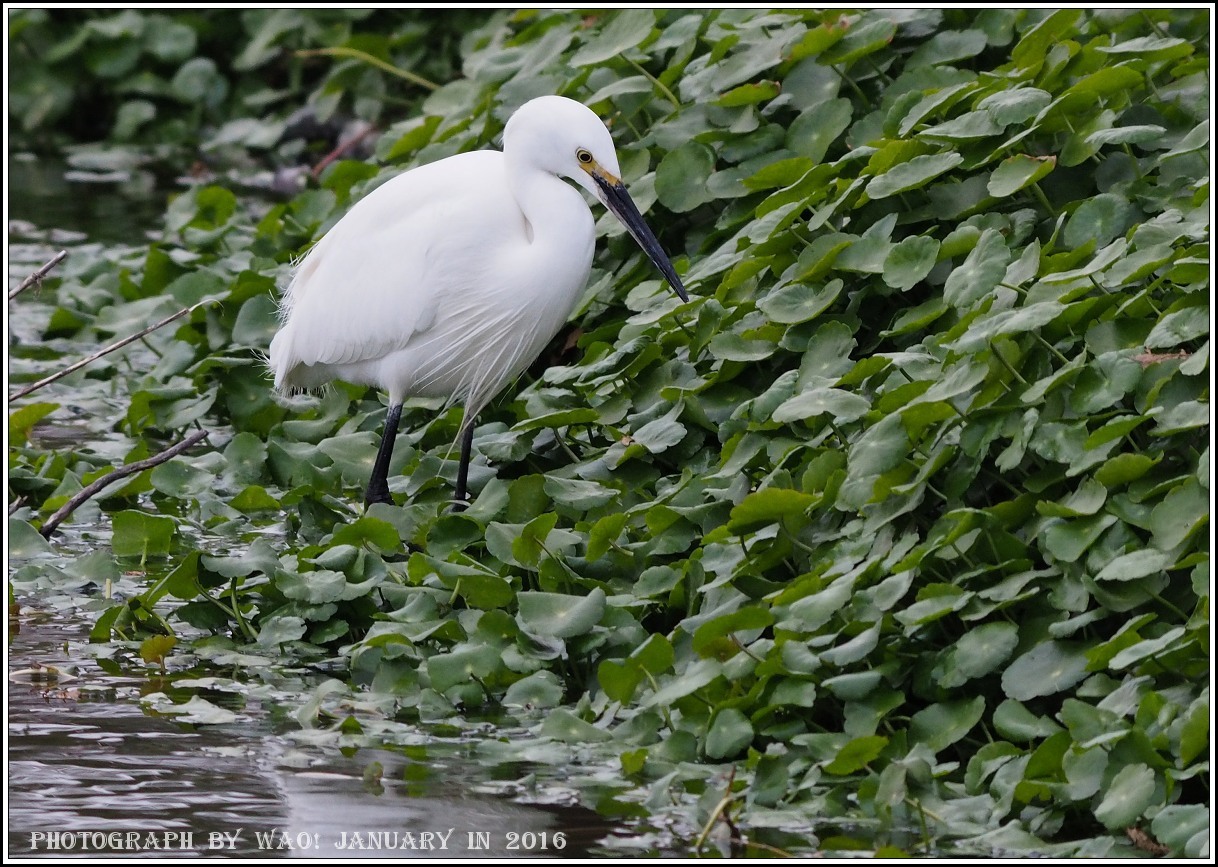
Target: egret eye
{"points": [[584, 156]]}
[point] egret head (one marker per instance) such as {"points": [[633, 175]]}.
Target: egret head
{"points": [[566, 138]]}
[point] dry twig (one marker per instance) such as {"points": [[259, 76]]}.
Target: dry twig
{"points": [[121, 473], [96, 355], [37, 276]]}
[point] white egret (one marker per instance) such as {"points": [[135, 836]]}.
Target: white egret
{"points": [[449, 279]]}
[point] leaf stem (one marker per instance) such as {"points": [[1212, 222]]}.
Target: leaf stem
{"points": [[1042, 198], [668, 94], [365, 57]]}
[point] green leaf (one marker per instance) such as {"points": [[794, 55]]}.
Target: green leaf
{"points": [[1099, 220], [604, 533], [980, 272], [21, 421], [816, 129], [1066, 540], [484, 591], [977, 653], [843, 406], [661, 434], [180, 479], [1135, 564], [619, 680], [798, 302], [749, 94], [369, 531], [681, 177], [941, 725], [910, 175], [1017, 172], [1178, 327], [1176, 824], [730, 732], [1016, 105], [24, 542], [1131, 791], [768, 506], [1015, 722], [1150, 49], [1049, 667], [557, 615], [856, 755], [626, 29], [138, 534], [579, 494], [465, 662], [1185, 509], [539, 689], [910, 261], [707, 636]]}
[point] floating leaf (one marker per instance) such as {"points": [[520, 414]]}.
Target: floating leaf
{"points": [[138, 534]]}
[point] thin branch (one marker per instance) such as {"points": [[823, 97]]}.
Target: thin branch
{"points": [[113, 346], [37, 276], [342, 150], [121, 473]]}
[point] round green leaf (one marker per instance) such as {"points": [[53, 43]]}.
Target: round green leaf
{"points": [[579, 494], [1048, 668], [730, 732], [843, 406], [909, 261], [910, 175], [1017, 172], [1131, 791], [1099, 219], [768, 506], [539, 689], [856, 755], [941, 725], [978, 652], [138, 534], [681, 177], [1135, 564], [560, 616]]}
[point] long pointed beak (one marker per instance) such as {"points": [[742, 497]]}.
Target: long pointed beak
{"points": [[615, 198]]}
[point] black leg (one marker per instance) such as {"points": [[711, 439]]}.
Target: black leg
{"points": [[467, 445], [378, 485]]}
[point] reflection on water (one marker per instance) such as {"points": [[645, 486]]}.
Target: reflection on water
{"points": [[44, 192], [91, 770]]}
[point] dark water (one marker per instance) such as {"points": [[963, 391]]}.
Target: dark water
{"points": [[92, 770], [114, 207]]}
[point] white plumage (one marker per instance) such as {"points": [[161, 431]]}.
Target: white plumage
{"points": [[449, 279]]}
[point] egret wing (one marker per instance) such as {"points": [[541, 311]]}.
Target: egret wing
{"points": [[379, 276]]}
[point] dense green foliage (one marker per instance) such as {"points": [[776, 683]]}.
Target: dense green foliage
{"points": [[905, 513]]}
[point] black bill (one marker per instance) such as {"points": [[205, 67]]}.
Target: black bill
{"points": [[616, 199]]}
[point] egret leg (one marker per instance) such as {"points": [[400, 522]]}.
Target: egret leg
{"points": [[467, 445], [378, 485]]}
